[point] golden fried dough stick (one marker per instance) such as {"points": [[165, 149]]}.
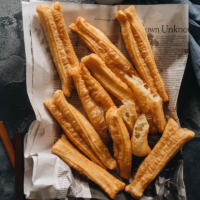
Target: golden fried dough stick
{"points": [[151, 105], [80, 132], [138, 46], [170, 143], [129, 114], [133, 49], [62, 51], [171, 127], [121, 140], [79, 162], [71, 133], [98, 43], [94, 99], [139, 142], [108, 79]]}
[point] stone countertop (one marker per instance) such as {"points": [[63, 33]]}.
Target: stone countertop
{"points": [[17, 114]]}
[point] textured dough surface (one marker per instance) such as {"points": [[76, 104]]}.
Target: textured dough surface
{"points": [[174, 137], [129, 114], [98, 43], [121, 141], [114, 85], [94, 99], [140, 51], [80, 132], [139, 142], [62, 51], [151, 105], [79, 162]]}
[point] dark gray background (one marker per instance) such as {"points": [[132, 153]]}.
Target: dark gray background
{"points": [[17, 114]]}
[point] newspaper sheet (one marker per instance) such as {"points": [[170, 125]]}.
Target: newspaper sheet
{"points": [[46, 175]]}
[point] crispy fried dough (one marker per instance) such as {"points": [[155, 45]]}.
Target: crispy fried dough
{"points": [[108, 79], [151, 105], [76, 160], [62, 51], [98, 43], [139, 142], [170, 143], [138, 46], [133, 49], [129, 114], [121, 140], [94, 98], [80, 132]]}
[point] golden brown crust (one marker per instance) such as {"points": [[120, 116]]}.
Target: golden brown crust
{"points": [[94, 99], [129, 114], [108, 79], [139, 142], [76, 160], [62, 51], [170, 143], [140, 51], [133, 49], [71, 133], [151, 105], [80, 131], [121, 140], [98, 43]]}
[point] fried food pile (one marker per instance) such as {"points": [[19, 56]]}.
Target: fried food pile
{"points": [[123, 104], [79, 130]]}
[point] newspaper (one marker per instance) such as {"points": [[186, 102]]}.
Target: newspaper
{"points": [[46, 175]]}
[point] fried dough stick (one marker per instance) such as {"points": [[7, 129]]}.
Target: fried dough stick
{"points": [[170, 143], [80, 132], [151, 105], [139, 142], [98, 43], [76, 160], [108, 79], [129, 115], [121, 141], [94, 99], [139, 49], [133, 49], [62, 51]]}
